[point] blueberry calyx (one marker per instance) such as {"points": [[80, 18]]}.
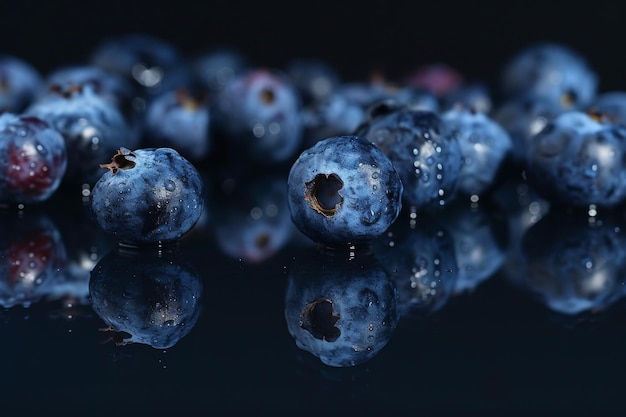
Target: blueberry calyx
{"points": [[322, 193], [119, 161], [186, 100], [319, 320], [66, 92], [267, 96]]}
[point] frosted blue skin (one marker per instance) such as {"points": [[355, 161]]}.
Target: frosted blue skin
{"points": [[572, 266], [419, 256], [484, 147], [551, 70], [155, 202], [92, 126], [371, 195], [258, 116], [154, 299], [363, 300], [422, 149], [523, 117], [21, 84], [576, 161], [177, 120]]}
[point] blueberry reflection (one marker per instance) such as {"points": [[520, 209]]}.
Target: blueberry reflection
{"points": [[69, 291], [32, 255], [251, 217], [480, 237], [418, 254], [342, 309], [145, 297], [574, 266]]}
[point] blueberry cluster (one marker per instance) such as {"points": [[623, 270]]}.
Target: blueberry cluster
{"points": [[157, 142]]}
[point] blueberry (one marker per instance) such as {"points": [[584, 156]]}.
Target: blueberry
{"points": [[551, 70], [573, 266], [146, 297], [418, 254], [342, 310], [181, 120], [148, 196], [576, 161], [314, 78], [32, 256], [422, 148], [20, 84], [33, 159], [609, 107], [344, 190], [475, 96], [523, 117], [485, 146], [92, 126], [213, 69], [110, 86], [258, 117], [151, 63], [333, 115]]}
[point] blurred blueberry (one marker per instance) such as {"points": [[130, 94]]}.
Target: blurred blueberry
{"points": [[475, 96], [485, 146], [576, 161], [258, 117], [33, 159], [609, 107], [152, 63], [523, 117], [251, 218], [32, 255], [333, 115], [551, 70], [20, 84], [111, 86], [342, 309], [92, 126], [147, 297], [422, 148], [181, 120], [315, 78], [574, 266], [418, 253], [213, 69]]}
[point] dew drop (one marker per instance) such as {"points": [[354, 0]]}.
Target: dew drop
{"points": [[170, 185]]}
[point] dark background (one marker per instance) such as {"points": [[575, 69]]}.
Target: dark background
{"points": [[495, 352], [391, 36]]}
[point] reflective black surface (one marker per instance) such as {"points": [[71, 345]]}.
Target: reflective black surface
{"points": [[527, 318], [197, 328]]}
